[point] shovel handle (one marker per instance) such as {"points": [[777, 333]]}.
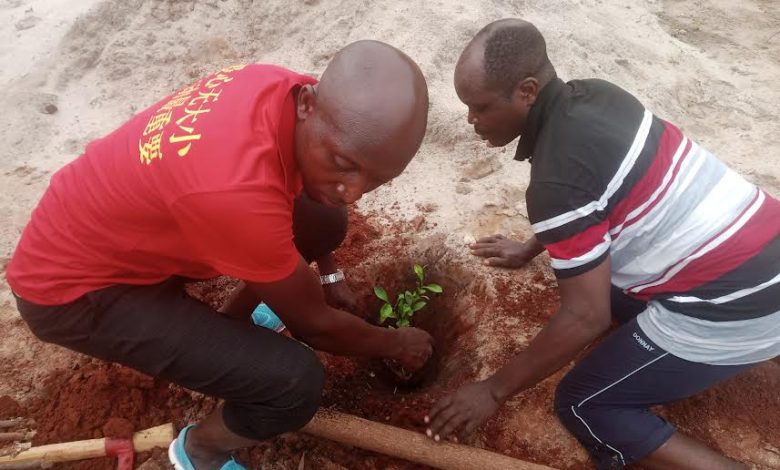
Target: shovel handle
{"points": [[159, 436]]}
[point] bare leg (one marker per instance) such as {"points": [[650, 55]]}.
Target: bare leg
{"points": [[683, 453], [208, 444]]}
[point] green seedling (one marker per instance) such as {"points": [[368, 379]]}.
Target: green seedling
{"points": [[408, 302]]}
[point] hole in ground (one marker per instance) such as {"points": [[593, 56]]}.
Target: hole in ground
{"points": [[366, 388]]}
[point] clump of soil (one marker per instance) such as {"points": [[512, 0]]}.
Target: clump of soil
{"points": [[119, 428], [9, 408]]}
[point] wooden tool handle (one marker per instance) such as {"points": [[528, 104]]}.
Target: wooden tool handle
{"points": [[159, 436], [409, 445]]}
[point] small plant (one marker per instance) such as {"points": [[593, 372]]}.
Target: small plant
{"points": [[408, 302]]}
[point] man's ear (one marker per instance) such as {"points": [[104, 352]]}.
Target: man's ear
{"points": [[307, 100], [526, 92]]}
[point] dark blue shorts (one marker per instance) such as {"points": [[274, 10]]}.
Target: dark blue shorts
{"points": [[604, 399]]}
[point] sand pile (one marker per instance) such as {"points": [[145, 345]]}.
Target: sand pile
{"points": [[73, 71]]}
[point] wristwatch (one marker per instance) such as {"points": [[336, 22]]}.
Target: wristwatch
{"points": [[332, 278]]}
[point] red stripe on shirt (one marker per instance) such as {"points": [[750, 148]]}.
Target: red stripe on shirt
{"points": [[746, 243], [645, 187], [579, 244]]}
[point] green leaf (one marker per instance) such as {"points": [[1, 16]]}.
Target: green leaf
{"points": [[379, 292], [386, 312], [434, 288], [419, 305], [419, 271], [406, 309], [402, 323]]}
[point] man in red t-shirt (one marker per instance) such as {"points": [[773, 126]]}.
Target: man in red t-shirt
{"points": [[204, 183]]}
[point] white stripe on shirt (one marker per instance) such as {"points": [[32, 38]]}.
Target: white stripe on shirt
{"points": [[743, 219], [729, 297], [661, 187], [597, 251], [617, 180]]}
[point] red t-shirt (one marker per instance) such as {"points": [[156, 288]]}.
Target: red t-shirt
{"points": [[200, 184]]}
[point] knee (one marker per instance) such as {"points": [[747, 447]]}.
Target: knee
{"points": [[565, 399], [301, 393], [572, 408]]}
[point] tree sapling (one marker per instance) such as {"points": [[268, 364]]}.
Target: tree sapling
{"points": [[408, 302]]}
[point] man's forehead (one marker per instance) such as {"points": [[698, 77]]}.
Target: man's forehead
{"points": [[470, 68]]}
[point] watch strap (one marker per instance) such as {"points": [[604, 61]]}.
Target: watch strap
{"points": [[332, 278]]}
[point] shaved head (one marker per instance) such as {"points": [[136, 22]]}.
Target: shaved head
{"points": [[375, 93], [362, 123]]}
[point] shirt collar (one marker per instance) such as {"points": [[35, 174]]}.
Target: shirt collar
{"points": [[536, 118]]}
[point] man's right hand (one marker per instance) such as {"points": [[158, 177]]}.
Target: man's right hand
{"points": [[414, 347], [505, 253]]}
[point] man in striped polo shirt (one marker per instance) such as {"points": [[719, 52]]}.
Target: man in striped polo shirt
{"points": [[642, 225]]}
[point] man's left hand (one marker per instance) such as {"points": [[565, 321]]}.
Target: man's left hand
{"points": [[462, 412], [339, 295]]}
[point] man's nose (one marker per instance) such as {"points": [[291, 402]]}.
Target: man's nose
{"points": [[472, 118], [353, 196], [351, 193]]}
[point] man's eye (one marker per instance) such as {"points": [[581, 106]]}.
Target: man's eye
{"points": [[342, 163]]}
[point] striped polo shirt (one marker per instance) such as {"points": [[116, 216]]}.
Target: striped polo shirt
{"points": [[684, 232]]}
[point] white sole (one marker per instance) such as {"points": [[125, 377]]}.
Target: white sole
{"points": [[172, 456]]}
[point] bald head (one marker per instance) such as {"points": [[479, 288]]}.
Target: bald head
{"points": [[361, 124], [376, 94], [508, 51]]}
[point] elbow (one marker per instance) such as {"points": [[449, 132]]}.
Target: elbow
{"points": [[600, 323], [593, 322], [306, 335], [314, 334]]}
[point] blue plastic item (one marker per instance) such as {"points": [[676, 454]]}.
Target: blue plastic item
{"points": [[265, 317], [180, 459]]}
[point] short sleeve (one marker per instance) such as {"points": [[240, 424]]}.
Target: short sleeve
{"points": [[571, 224], [244, 233]]}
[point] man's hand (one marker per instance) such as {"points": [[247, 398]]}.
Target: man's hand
{"points": [[505, 253], [414, 347], [584, 315], [339, 295], [462, 412]]}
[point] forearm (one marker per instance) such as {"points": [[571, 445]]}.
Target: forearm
{"points": [[347, 335], [533, 247], [326, 264], [555, 346]]}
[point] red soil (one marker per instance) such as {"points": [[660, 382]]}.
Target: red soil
{"points": [[9, 408], [98, 399]]}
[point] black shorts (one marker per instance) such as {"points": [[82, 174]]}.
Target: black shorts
{"points": [[270, 383], [604, 400]]}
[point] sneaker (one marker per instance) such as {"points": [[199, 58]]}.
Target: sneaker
{"points": [[265, 317], [181, 461]]}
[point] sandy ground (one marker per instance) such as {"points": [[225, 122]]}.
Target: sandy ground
{"points": [[73, 71]]}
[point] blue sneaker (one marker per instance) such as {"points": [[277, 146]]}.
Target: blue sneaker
{"points": [[179, 458], [265, 317]]}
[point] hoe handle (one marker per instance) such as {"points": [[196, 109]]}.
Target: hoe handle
{"points": [[409, 445], [159, 436]]}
